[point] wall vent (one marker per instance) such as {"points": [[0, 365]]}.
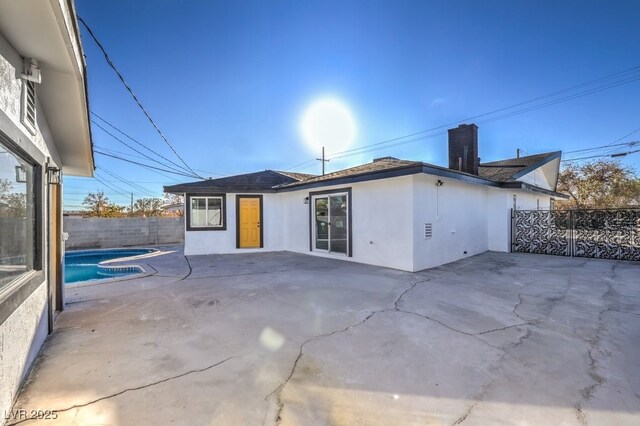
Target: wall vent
{"points": [[29, 105], [428, 231]]}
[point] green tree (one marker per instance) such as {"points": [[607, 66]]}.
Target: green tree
{"points": [[98, 205], [598, 184], [148, 207], [12, 204]]}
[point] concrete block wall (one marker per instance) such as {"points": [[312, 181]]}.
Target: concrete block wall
{"points": [[122, 232]]}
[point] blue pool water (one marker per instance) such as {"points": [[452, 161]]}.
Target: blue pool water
{"points": [[84, 265]]}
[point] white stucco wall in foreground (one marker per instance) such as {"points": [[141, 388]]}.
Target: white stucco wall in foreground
{"points": [[21, 337], [24, 331]]}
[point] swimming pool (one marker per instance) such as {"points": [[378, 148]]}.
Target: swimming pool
{"points": [[85, 265]]}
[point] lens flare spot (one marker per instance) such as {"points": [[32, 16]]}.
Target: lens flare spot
{"points": [[271, 339]]}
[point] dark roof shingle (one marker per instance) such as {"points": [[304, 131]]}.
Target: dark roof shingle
{"points": [[381, 164], [258, 181], [504, 170]]}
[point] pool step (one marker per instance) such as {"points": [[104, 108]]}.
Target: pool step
{"points": [[106, 270]]}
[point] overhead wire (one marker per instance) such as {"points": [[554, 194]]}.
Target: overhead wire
{"points": [[135, 98], [627, 76], [141, 164], [500, 117], [131, 184], [131, 138], [125, 191], [182, 170], [614, 155], [111, 187]]}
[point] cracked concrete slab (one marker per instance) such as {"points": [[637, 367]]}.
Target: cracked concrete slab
{"points": [[283, 338]]}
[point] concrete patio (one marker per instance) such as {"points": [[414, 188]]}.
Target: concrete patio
{"points": [[281, 337]]}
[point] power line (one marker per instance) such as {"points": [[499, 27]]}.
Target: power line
{"points": [[625, 79], [597, 148], [118, 153], [125, 190], [564, 99], [616, 155], [614, 143], [141, 164], [131, 184], [135, 98], [110, 187], [136, 150], [517, 112], [133, 139]]}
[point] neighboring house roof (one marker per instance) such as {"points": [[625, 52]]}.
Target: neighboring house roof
{"points": [[513, 168], [264, 181], [47, 31], [381, 168], [173, 207]]}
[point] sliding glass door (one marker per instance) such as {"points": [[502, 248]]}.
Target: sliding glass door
{"points": [[330, 213]]}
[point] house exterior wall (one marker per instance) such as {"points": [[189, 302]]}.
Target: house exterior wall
{"points": [[380, 211], [23, 332], [224, 241], [388, 221], [457, 212]]}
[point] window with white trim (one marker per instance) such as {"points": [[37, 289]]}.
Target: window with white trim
{"points": [[29, 105], [206, 212]]}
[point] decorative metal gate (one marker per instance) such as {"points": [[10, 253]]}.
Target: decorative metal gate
{"points": [[602, 233]]}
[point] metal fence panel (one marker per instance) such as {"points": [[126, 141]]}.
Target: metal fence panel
{"points": [[541, 231], [607, 234], [603, 233]]}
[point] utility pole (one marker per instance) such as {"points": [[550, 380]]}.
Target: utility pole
{"points": [[323, 159], [131, 212]]}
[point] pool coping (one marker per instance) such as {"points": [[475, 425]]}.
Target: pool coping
{"points": [[106, 265]]}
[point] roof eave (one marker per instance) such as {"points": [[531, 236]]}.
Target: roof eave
{"points": [[47, 31], [532, 188], [178, 189]]}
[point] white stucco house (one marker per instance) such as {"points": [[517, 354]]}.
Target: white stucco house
{"points": [[44, 133], [396, 213]]}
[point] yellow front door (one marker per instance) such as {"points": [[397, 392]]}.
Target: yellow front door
{"points": [[249, 222]]}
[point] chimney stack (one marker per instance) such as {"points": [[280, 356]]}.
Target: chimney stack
{"points": [[463, 148]]}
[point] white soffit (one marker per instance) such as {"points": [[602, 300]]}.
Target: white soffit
{"points": [[44, 30]]}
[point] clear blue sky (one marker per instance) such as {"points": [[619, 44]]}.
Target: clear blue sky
{"points": [[227, 82]]}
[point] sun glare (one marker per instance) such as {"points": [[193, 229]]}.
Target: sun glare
{"points": [[328, 123]]}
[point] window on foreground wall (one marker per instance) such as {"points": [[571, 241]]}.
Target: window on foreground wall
{"points": [[207, 212], [17, 216]]}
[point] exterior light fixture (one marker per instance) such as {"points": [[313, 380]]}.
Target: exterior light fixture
{"points": [[439, 183], [31, 71], [306, 200], [54, 176], [21, 174]]}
